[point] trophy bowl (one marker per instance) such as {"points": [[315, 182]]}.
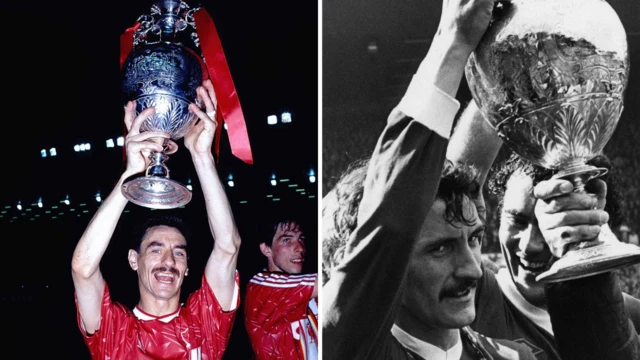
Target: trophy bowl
{"points": [[161, 72], [549, 76]]}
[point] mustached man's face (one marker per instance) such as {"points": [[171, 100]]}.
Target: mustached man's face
{"points": [[161, 264], [444, 270]]}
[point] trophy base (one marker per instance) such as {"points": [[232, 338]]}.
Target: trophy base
{"points": [[156, 192], [591, 261]]}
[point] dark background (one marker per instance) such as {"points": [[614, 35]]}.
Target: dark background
{"points": [[371, 49], [61, 83]]}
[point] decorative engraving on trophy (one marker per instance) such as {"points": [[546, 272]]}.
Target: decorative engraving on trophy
{"points": [[549, 76], [555, 99], [564, 132], [590, 252], [152, 71], [171, 115], [538, 67], [151, 26]]}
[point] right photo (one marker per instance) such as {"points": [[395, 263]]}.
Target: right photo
{"points": [[480, 180]]}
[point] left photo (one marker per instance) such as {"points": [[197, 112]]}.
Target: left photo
{"points": [[161, 193]]}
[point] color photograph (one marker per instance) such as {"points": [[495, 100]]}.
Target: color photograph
{"points": [[162, 182]]}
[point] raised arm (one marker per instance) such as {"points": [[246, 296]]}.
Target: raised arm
{"points": [[474, 141], [361, 299], [85, 264], [221, 267]]}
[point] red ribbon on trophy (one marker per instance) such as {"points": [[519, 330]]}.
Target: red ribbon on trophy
{"points": [[126, 43], [228, 102], [229, 109]]}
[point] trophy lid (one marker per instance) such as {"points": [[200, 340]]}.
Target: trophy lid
{"points": [[169, 21]]}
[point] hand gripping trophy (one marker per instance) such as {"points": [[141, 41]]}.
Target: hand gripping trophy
{"points": [[163, 62], [550, 76]]}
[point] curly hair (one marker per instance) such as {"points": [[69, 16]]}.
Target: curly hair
{"points": [[340, 212], [340, 205], [500, 175], [457, 183]]}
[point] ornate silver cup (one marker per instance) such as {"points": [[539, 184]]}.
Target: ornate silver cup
{"points": [[162, 72], [550, 77]]}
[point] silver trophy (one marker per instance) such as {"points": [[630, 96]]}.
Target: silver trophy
{"points": [[550, 77], [163, 72]]}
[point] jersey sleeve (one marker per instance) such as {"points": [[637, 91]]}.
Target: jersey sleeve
{"points": [[115, 326], [274, 304], [214, 322]]}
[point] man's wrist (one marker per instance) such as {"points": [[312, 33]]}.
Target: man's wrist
{"points": [[202, 157], [125, 175], [453, 49]]}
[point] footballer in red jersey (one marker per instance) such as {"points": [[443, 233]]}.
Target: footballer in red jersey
{"points": [[281, 309], [159, 327], [192, 332]]}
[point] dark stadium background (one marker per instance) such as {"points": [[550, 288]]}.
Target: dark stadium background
{"points": [[61, 87]]}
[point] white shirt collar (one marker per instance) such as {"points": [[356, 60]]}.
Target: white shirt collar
{"points": [[538, 316], [141, 315], [426, 350]]}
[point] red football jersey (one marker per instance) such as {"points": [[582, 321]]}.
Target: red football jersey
{"points": [[281, 317], [199, 330]]}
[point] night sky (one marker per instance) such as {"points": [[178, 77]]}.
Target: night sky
{"points": [[61, 84]]}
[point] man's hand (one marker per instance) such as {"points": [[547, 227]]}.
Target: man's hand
{"points": [[462, 24], [200, 137], [566, 217], [140, 145], [465, 21]]}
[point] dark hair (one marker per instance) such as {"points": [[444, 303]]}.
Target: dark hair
{"points": [[158, 220], [272, 227], [457, 183], [500, 175], [340, 205]]}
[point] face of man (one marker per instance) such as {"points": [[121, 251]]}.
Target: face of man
{"points": [[161, 263], [527, 254], [287, 250], [444, 270]]}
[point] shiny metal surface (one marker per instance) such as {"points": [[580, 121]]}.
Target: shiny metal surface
{"points": [[156, 192], [550, 76], [163, 70], [163, 75]]}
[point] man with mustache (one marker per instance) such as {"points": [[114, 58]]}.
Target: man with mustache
{"points": [[581, 319], [281, 308], [406, 285], [159, 327]]}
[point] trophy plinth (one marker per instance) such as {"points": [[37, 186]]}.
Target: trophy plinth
{"points": [[161, 71], [604, 255], [156, 192], [549, 76]]}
